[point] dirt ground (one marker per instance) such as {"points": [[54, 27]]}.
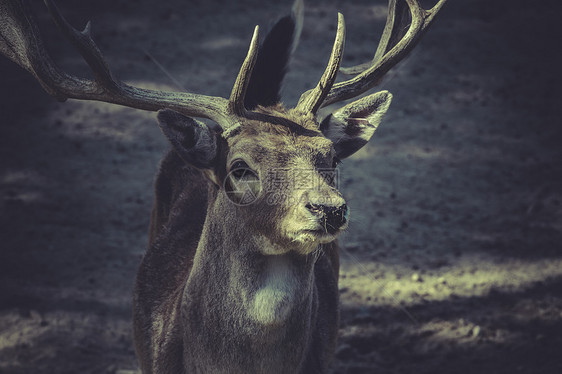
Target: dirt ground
{"points": [[453, 261]]}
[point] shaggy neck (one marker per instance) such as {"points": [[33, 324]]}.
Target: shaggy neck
{"points": [[248, 312]]}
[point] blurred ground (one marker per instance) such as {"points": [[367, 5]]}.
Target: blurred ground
{"points": [[453, 262]]}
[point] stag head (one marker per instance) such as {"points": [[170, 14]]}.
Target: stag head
{"points": [[260, 142], [277, 164]]}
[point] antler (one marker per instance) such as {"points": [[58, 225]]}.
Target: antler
{"points": [[393, 47], [20, 41], [312, 100]]}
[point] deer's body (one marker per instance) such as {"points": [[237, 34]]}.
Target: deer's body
{"points": [[275, 313], [231, 285]]}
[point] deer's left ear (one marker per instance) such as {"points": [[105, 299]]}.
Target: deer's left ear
{"points": [[193, 141], [351, 127]]}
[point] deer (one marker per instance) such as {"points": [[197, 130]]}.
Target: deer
{"points": [[231, 284]]}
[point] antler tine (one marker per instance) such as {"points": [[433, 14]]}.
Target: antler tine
{"points": [[21, 41], [392, 48], [392, 33], [312, 100], [236, 101], [83, 42]]}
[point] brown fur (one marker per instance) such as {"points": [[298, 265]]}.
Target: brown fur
{"points": [[205, 264]]}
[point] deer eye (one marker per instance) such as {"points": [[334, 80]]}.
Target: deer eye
{"points": [[241, 170]]}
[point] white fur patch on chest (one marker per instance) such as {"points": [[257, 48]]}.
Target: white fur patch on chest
{"points": [[275, 298]]}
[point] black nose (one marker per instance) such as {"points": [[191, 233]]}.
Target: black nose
{"points": [[333, 217]]}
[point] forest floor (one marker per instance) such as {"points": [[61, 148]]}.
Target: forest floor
{"points": [[453, 259]]}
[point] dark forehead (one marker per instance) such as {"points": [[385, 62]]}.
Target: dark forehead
{"points": [[280, 135], [266, 144]]}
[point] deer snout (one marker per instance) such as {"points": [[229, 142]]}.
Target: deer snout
{"points": [[331, 216]]}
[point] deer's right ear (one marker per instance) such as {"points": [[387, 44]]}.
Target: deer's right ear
{"points": [[194, 141], [351, 127]]}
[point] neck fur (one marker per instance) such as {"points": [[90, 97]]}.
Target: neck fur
{"points": [[239, 302]]}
